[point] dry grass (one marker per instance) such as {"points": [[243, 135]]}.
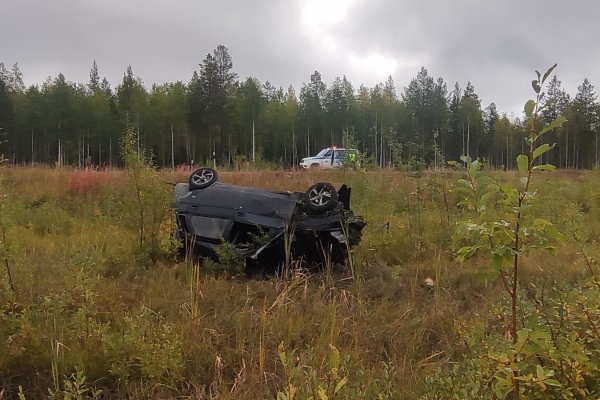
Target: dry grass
{"points": [[157, 330]]}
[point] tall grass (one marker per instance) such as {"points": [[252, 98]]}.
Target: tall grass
{"points": [[155, 327]]}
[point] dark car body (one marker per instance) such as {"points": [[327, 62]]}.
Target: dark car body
{"points": [[259, 223]]}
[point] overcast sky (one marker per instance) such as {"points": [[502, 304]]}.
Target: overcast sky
{"points": [[496, 45]]}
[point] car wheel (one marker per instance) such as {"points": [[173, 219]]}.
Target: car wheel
{"points": [[315, 166], [203, 177], [321, 197]]}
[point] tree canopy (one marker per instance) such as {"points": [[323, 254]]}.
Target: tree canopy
{"points": [[215, 115]]}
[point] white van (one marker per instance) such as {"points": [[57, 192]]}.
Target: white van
{"points": [[331, 157]]}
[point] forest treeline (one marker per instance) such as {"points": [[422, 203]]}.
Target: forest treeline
{"points": [[215, 115]]}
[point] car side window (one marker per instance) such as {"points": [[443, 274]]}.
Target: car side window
{"points": [[327, 154], [340, 154], [211, 228]]}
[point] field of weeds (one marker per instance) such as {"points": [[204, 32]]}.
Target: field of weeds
{"points": [[93, 306]]}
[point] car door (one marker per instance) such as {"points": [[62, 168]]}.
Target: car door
{"points": [[339, 158], [327, 160]]}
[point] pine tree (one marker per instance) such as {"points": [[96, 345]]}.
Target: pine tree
{"points": [[6, 106], [251, 103], [472, 121], [491, 118], [215, 81], [555, 103], [131, 101], [195, 111], [337, 108], [389, 90], [105, 87], [15, 82], [291, 111], [585, 125], [131, 96], [94, 83], [440, 116], [424, 100], [224, 67], [311, 104], [555, 100], [455, 145], [4, 74]]}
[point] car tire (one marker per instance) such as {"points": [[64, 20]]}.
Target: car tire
{"points": [[321, 197], [202, 178], [315, 166]]}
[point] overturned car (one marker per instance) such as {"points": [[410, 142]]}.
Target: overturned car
{"points": [[263, 226]]}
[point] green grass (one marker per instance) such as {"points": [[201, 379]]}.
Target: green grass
{"points": [[136, 322]]}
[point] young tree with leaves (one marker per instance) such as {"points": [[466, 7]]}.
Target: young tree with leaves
{"points": [[505, 228]]}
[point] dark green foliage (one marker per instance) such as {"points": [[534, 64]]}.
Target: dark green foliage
{"points": [[214, 114], [557, 350], [7, 114], [544, 343], [586, 122]]}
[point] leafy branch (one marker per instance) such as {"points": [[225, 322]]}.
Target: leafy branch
{"points": [[503, 227]]}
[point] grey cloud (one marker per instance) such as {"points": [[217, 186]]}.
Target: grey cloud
{"points": [[495, 45]]}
